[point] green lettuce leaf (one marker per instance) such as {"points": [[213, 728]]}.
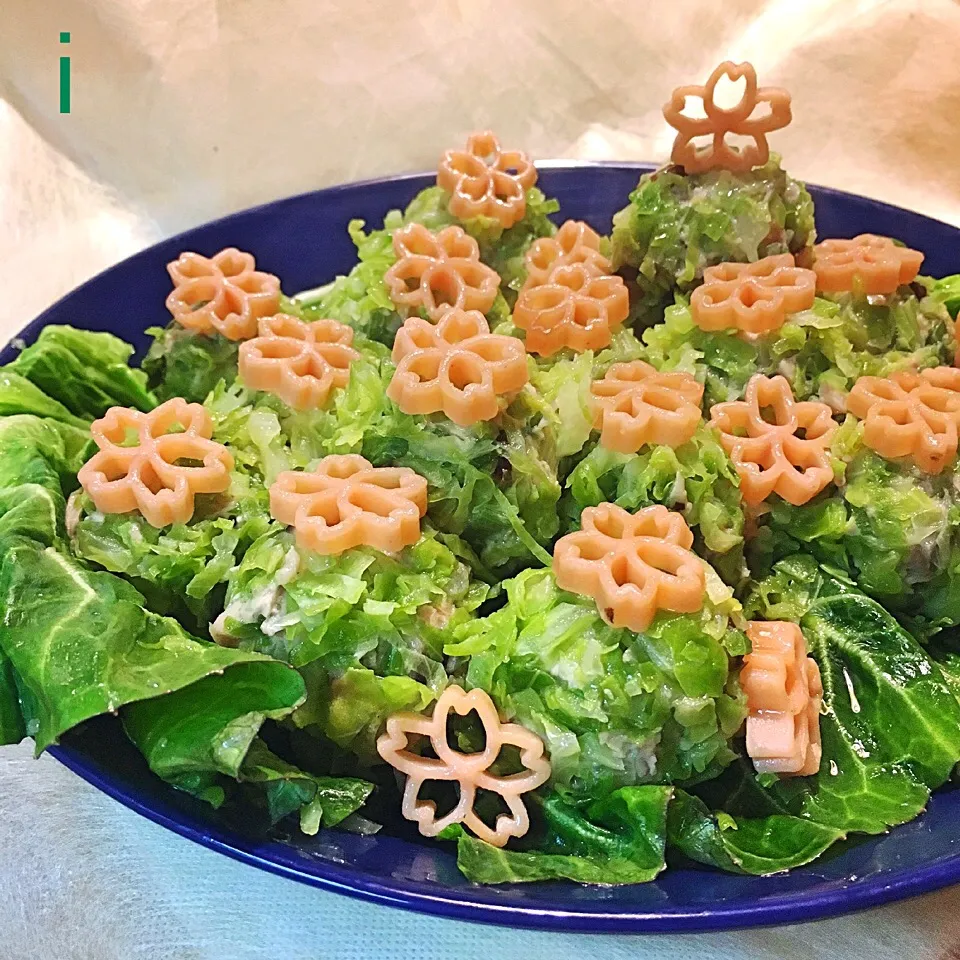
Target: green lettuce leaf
{"points": [[462, 467], [184, 364], [12, 728], [764, 846], [201, 733], [947, 291], [791, 587], [81, 642], [618, 839], [84, 371], [615, 708], [19, 395], [181, 569], [286, 789], [40, 458], [890, 731], [677, 225], [892, 727]]}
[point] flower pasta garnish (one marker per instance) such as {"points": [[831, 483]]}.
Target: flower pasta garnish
{"points": [[346, 502], [574, 242], [221, 294], [635, 405], [435, 272], [137, 466], [632, 565], [788, 455], [470, 771], [760, 111], [752, 298], [299, 362], [911, 415], [485, 181], [576, 308], [456, 367], [872, 264], [784, 693]]}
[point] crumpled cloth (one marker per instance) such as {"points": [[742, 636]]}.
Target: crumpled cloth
{"points": [[184, 110]]}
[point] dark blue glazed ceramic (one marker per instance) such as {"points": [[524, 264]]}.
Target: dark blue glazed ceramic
{"points": [[304, 241]]}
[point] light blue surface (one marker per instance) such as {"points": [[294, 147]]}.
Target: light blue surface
{"points": [[82, 878]]}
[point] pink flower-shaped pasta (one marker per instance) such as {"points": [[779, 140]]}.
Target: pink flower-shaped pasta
{"points": [[147, 475], [575, 242], [458, 367], [470, 771], [744, 119], [435, 272], [635, 404], [752, 297], [632, 565], [789, 455], [575, 308], [911, 415], [299, 362], [874, 264], [224, 294], [346, 502], [485, 181], [784, 693]]}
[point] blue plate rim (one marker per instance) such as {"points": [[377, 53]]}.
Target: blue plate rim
{"points": [[549, 164], [798, 907], [476, 904]]}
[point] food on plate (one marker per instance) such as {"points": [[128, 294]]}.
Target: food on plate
{"points": [[784, 694], [299, 362], [580, 553], [777, 445], [456, 366], [729, 205], [225, 293]]}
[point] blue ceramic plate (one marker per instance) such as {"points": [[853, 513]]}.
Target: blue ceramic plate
{"points": [[304, 241]]}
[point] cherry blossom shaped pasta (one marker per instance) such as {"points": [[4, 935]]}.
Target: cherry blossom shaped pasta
{"points": [[470, 771], [875, 265], [576, 308], [221, 294], [147, 475], [458, 367], [575, 242], [299, 362], [485, 181], [784, 695], [760, 111], [635, 404], [346, 502], [911, 415], [752, 298], [771, 457], [435, 272], [632, 565]]}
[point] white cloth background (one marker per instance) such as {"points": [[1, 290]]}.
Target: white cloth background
{"points": [[187, 109]]}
